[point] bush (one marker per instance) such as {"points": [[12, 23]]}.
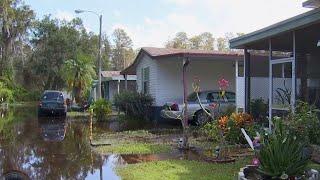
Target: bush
{"points": [[101, 109], [305, 123], [259, 111], [231, 126], [282, 154], [23, 95], [136, 105], [234, 125], [6, 95]]}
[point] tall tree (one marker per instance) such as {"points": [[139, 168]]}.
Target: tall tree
{"points": [[15, 19], [54, 42], [122, 51], [222, 44], [106, 53], [180, 41], [204, 41]]}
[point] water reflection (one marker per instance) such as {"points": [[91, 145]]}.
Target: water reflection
{"points": [[48, 148], [55, 148], [53, 129]]}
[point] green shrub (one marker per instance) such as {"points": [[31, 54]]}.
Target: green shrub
{"points": [[305, 123], [211, 130], [231, 126], [23, 95], [259, 111], [101, 109], [235, 123], [136, 105], [6, 94], [282, 154]]}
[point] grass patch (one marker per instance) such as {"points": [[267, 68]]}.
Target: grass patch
{"points": [[181, 169], [134, 148], [314, 166], [74, 114]]}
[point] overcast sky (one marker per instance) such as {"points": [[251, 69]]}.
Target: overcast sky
{"points": [[153, 22]]}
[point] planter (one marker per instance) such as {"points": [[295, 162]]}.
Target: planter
{"points": [[250, 172]]}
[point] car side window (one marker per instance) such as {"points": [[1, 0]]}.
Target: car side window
{"points": [[231, 97], [212, 97]]}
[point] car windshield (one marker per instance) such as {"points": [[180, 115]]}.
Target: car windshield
{"points": [[52, 96]]}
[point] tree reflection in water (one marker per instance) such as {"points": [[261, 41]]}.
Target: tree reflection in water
{"points": [[48, 148]]}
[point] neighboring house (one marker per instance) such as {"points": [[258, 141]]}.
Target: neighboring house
{"points": [[160, 72], [113, 83], [293, 77]]}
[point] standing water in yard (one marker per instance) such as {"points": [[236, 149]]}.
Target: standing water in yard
{"points": [[49, 148], [58, 148]]}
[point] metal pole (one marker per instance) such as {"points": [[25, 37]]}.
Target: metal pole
{"points": [[247, 80], [270, 85], [293, 95], [99, 58]]}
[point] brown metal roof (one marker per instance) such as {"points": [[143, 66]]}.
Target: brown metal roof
{"points": [[160, 52], [110, 73]]}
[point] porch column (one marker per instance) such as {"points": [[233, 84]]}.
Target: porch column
{"points": [[247, 84], [125, 81], [237, 83], [118, 85], [270, 85], [294, 80]]}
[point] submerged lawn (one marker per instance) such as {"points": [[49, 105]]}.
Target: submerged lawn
{"points": [[134, 148], [181, 169]]}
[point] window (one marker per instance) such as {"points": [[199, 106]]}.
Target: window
{"points": [[213, 97], [231, 97], [145, 80]]}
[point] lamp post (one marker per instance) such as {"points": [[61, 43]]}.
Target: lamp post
{"points": [[78, 11]]}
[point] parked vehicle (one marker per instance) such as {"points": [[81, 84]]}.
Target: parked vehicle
{"points": [[52, 103], [209, 100]]}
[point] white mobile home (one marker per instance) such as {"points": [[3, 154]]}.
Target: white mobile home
{"points": [[160, 72]]}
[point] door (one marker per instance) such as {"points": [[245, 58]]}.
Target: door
{"points": [[282, 87]]}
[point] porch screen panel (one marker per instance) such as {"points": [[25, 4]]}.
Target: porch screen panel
{"points": [[281, 86]]}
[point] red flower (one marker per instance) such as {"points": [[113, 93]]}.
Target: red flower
{"points": [[223, 84]]}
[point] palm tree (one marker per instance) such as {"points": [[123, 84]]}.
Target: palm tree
{"points": [[78, 73]]}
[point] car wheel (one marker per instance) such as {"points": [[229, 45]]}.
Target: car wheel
{"points": [[201, 118]]}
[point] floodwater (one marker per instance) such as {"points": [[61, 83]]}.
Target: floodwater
{"points": [[53, 148]]}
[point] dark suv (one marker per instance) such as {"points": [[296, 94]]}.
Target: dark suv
{"points": [[52, 103]]}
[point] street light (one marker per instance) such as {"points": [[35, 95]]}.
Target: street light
{"points": [[78, 11]]}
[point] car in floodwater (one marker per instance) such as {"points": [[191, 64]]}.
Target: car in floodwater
{"points": [[52, 103], [209, 100]]}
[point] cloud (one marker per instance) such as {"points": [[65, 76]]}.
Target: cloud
{"points": [[64, 15], [215, 16], [155, 32]]}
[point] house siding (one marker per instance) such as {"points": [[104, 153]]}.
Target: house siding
{"points": [[169, 81], [166, 76], [147, 61]]}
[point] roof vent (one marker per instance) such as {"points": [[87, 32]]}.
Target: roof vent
{"points": [[311, 4]]}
